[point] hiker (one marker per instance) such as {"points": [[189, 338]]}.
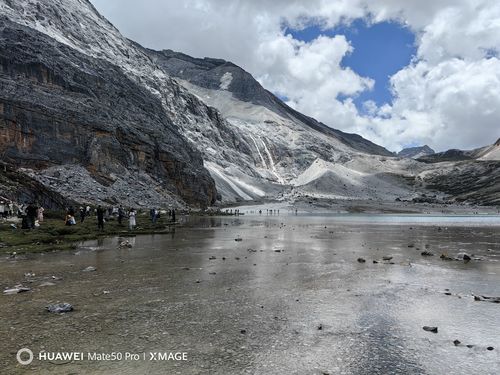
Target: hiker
{"points": [[121, 214], [152, 214], [156, 215], [69, 219], [100, 218], [2, 209], [11, 209], [40, 214], [31, 212], [173, 215], [131, 219], [82, 214]]}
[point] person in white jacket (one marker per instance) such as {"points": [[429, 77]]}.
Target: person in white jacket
{"points": [[131, 219]]}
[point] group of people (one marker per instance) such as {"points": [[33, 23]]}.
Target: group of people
{"points": [[6, 209], [154, 214], [119, 213], [102, 214], [31, 214]]}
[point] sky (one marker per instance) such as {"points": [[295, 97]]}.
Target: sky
{"points": [[400, 73]]}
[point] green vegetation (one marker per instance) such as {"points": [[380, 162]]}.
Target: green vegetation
{"points": [[53, 235]]}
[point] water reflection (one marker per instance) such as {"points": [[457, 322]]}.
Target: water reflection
{"points": [[197, 288]]}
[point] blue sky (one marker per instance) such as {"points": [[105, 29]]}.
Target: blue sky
{"points": [[380, 50]]}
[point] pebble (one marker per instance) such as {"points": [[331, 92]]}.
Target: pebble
{"points": [[430, 329], [59, 308], [361, 260]]}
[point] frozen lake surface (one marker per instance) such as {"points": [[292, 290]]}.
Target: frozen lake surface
{"points": [[289, 298]]}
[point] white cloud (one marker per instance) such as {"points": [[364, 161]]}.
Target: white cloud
{"points": [[448, 97]]}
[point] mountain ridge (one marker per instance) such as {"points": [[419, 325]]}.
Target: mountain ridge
{"points": [[122, 123]]}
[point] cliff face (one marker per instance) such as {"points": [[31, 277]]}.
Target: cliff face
{"points": [[60, 106]]}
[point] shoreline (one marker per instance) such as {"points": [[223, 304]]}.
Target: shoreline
{"points": [[53, 235]]}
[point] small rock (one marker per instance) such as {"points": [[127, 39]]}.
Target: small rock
{"points": [[361, 260], [430, 329], [59, 308], [46, 283], [90, 269], [16, 290], [445, 257], [277, 251], [466, 258], [490, 348], [387, 258], [375, 261], [238, 239], [469, 346], [320, 327], [212, 258], [456, 342], [125, 244], [426, 254], [243, 331]]}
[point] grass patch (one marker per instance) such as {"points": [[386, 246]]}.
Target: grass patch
{"points": [[53, 235]]}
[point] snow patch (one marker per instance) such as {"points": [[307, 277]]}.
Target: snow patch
{"points": [[225, 81], [236, 184]]}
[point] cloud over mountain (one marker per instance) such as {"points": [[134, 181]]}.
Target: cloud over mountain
{"points": [[448, 96]]}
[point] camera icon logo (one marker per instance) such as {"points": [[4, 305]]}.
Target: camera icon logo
{"points": [[22, 361]]}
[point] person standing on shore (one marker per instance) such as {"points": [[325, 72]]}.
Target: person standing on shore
{"points": [[173, 215], [100, 218], [31, 212], [131, 219], [82, 214], [121, 214], [40, 214]]}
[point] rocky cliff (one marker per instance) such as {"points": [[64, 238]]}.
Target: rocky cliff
{"points": [[61, 106]]}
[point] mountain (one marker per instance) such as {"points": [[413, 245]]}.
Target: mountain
{"points": [[282, 142], [218, 74], [99, 118], [491, 152], [471, 176], [90, 116], [416, 152]]}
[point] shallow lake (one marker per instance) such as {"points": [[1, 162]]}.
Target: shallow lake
{"points": [[289, 297]]}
